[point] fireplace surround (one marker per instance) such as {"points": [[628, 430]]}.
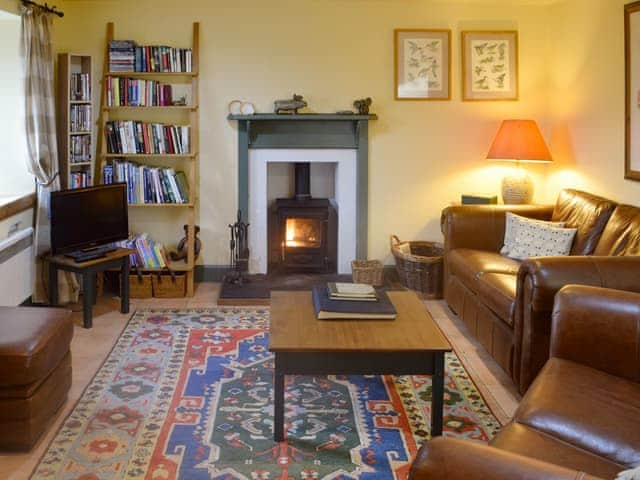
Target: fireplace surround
{"points": [[325, 138]]}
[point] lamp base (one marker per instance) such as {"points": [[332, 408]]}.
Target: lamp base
{"points": [[517, 188]]}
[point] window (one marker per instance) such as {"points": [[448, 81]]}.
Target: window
{"points": [[14, 178]]}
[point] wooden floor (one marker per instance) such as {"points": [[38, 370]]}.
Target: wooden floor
{"points": [[90, 347]]}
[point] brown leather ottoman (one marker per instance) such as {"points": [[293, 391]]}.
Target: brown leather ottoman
{"points": [[35, 371]]}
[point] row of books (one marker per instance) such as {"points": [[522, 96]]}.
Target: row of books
{"points": [[132, 92], [80, 120], [127, 56], [335, 301], [80, 149], [80, 86], [131, 136], [79, 179], [147, 252], [146, 184]]}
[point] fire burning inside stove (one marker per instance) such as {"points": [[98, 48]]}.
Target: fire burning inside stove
{"points": [[303, 232]]}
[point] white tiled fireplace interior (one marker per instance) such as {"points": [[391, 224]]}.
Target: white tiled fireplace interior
{"points": [[343, 188]]}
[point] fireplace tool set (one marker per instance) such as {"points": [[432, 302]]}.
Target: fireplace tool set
{"points": [[238, 252]]}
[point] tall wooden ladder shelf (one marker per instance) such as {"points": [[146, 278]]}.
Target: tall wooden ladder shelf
{"points": [[190, 159]]}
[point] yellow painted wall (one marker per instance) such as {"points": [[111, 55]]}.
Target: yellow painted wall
{"points": [[423, 155], [587, 98]]}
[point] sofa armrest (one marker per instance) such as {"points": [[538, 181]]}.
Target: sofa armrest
{"points": [[482, 226], [451, 459], [599, 328], [539, 279]]}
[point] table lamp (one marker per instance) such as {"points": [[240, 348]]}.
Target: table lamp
{"points": [[518, 141]]}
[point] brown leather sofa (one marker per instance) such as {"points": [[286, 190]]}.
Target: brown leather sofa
{"points": [[507, 303], [35, 371], [581, 417]]}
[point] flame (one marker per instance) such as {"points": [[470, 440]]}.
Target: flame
{"points": [[301, 232]]}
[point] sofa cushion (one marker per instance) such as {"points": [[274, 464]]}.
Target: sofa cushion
{"points": [[498, 291], [588, 213], [585, 407], [621, 236], [468, 264], [542, 240], [520, 439], [514, 224]]}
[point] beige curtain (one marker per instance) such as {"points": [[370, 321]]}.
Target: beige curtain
{"points": [[42, 150]]}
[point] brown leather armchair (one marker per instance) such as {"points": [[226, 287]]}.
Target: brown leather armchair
{"points": [[581, 417]]}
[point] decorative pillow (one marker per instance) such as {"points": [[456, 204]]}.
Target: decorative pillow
{"points": [[539, 240], [513, 225]]}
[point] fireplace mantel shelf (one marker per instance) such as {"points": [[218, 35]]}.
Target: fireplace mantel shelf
{"points": [[300, 116]]}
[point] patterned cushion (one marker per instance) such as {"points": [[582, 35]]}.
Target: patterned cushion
{"points": [[540, 240], [513, 225]]}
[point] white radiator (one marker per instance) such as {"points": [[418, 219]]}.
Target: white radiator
{"points": [[16, 267]]}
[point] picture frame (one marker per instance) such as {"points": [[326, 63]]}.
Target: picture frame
{"points": [[422, 64], [632, 90], [489, 65]]}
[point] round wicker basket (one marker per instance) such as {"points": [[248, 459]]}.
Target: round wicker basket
{"points": [[419, 265]]}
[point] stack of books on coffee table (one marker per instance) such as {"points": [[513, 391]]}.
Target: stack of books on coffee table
{"points": [[335, 301]]}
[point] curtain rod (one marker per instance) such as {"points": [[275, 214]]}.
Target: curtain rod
{"points": [[44, 7]]}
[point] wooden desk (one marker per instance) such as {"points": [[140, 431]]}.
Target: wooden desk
{"points": [[412, 344], [88, 270]]}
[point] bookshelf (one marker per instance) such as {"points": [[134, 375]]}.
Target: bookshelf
{"points": [[75, 120], [148, 97]]}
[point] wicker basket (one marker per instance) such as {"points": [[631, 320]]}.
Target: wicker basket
{"points": [[367, 271], [169, 285], [419, 265], [140, 285]]}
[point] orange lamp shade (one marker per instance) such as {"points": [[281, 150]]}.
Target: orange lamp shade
{"points": [[520, 141]]}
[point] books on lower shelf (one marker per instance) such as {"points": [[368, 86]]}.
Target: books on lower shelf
{"points": [[127, 56], [148, 254], [80, 87], [134, 92], [147, 184], [80, 119], [79, 179], [80, 149], [327, 308], [134, 137]]}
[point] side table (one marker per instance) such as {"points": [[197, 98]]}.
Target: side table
{"points": [[117, 259]]}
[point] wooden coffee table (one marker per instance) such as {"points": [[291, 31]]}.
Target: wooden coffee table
{"points": [[412, 344]]}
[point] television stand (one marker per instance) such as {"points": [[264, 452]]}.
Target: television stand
{"points": [[87, 269]]}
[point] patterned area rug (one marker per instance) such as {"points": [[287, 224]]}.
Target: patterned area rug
{"points": [[187, 394]]}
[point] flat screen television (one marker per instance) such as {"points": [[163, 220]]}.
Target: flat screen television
{"points": [[84, 218]]}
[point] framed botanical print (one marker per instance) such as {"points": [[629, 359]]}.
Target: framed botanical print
{"points": [[489, 65], [632, 90], [422, 64]]}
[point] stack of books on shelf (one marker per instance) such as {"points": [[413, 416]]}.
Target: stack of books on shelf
{"points": [[79, 179], [148, 254], [80, 118], [134, 137], [80, 149], [127, 56], [132, 92], [80, 87], [335, 301], [146, 184]]}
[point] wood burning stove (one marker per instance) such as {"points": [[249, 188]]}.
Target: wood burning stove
{"points": [[304, 234]]}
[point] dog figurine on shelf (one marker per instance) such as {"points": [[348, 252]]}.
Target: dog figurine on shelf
{"points": [[181, 254]]}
